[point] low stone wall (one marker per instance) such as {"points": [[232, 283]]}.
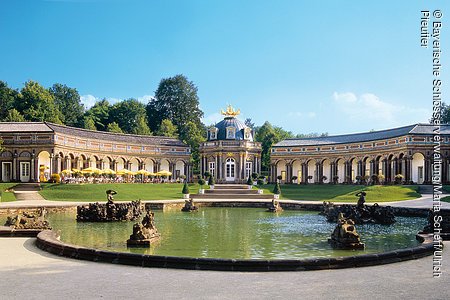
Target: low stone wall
{"points": [[34, 210], [48, 241]]}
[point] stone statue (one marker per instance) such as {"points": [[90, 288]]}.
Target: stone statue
{"points": [[274, 206], [144, 233], [27, 220], [361, 200], [361, 213], [344, 236], [96, 212], [189, 205]]}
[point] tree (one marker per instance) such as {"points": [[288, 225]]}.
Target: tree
{"points": [[100, 114], [167, 129], [88, 123], [248, 122], [268, 135], [37, 104], [142, 127], [114, 127], [175, 99], [193, 137], [127, 113], [445, 114], [14, 116], [7, 99], [69, 103]]}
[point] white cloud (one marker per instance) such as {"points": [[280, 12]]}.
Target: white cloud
{"points": [[370, 108], [88, 100], [145, 99], [299, 114]]}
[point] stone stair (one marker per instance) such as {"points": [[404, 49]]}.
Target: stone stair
{"points": [[426, 189], [231, 191]]}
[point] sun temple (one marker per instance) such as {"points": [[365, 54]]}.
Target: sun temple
{"points": [[230, 153]]}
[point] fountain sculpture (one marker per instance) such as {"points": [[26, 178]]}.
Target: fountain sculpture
{"points": [[27, 220], [144, 233], [344, 236], [96, 212], [189, 205]]}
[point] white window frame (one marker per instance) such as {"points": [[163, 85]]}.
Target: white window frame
{"points": [[248, 169], [247, 134], [213, 134], [212, 168], [231, 133]]}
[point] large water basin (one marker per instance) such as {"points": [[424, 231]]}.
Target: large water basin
{"points": [[239, 233]]}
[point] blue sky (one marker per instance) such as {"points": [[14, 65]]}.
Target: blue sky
{"points": [[308, 66]]}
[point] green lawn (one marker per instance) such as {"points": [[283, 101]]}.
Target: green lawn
{"points": [[7, 196], [446, 199], [125, 191], [345, 193]]}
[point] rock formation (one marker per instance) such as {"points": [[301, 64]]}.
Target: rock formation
{"points": [[26, 220], [344, 236], [96, 212], [144, 233], [189, 205], [360, 214]]}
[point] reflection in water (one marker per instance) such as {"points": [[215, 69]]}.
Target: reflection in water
{"points": [[238, 233]]}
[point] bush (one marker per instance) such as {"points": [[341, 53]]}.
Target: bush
{"points": [[185, 190], [277, 189], [55, 178], [254, 175], [279, 177], [294, 178], [207, 174], [398, 178], [201, 181], [211, 180], [260, 182], [249, 181]]}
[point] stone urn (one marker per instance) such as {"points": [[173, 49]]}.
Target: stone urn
{"points": [[250, 187], [201, 191], [276, 196], [211, 187], [260, 191], [186, 196]]}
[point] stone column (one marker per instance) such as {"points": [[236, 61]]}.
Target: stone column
{"points": [[52, 156], [318, 171], [33, 167], [220, 168], [427, 171], [15, 172], [305, 172]]}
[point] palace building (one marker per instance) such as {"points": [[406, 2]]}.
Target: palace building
{"points": [[31, 147], [349, 158], [230, 153]]}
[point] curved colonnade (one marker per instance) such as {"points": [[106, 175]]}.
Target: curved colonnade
{"points": [[36, 149], [406, 151]]}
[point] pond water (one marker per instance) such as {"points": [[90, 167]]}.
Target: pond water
{"points": [[240, 233]]}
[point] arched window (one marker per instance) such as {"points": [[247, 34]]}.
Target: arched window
{"points": [[230, 169]]}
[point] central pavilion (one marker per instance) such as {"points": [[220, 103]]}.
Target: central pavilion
{"points": [[230, 153]]}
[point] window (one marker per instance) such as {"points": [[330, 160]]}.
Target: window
{"points": [[247, 134], [212, 168], [231, 133], [248, 169], [213, 133]]}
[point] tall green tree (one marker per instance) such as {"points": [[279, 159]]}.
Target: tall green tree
{"points": [[175, 99], [167, 129], [141, 126], [14, 116], [69, 103], [127, 114], [88, 123], [7, 99], [100, 114], [268, 135], [194, 135], [37, 104], [114, 127]]}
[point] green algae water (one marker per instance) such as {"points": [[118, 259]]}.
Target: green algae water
{"points": [[240, 233]]}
